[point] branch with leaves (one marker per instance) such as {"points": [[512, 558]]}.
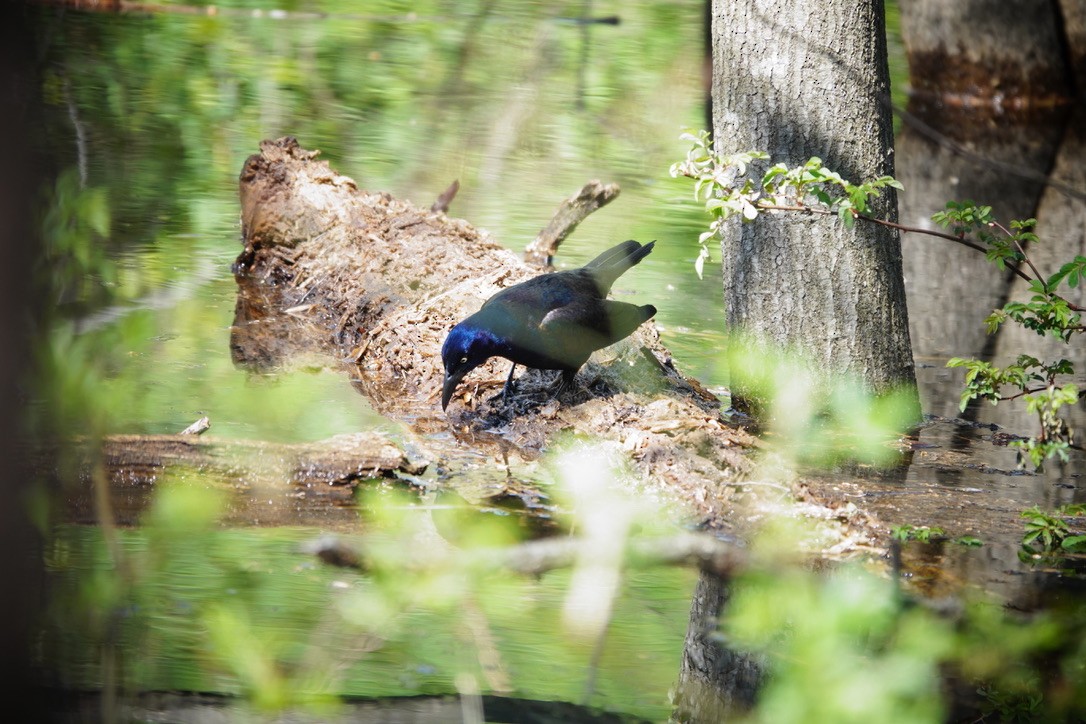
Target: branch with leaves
{"points": [[724, 186]]}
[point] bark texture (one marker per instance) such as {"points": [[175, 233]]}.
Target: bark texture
{"points": [[715, 683], [995, 58], [798, 81]]}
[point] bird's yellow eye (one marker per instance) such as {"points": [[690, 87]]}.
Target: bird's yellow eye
{"points": [[463, 360]]}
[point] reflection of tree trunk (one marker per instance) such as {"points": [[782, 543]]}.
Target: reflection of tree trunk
{"points": [[797, 83], [715, 683], [1061, 226], [1005, 54], [1073, 14], [951, 288], [984, 122]]}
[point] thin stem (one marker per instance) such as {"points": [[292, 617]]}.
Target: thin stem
{"points": [[958, 239], [1021, 251]]}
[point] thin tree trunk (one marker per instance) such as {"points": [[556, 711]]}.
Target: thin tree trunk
{"points": [[798, 81]]}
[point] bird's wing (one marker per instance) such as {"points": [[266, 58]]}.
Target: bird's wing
{"points": [[580, 328]]}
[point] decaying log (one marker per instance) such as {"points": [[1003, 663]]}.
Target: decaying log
{"points": [[267, 483], [376, 282]]}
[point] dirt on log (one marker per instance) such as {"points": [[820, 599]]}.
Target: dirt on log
{"points": [[377, 282]]}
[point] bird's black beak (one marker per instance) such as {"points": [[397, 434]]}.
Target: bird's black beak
{"points": [[452, 379]]}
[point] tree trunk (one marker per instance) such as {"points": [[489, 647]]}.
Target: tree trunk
{"points": [[987, 109], [715, 683], [1003, 56], [798, 81]]}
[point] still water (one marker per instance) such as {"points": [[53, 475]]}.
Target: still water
{"points": [[149, 118]]}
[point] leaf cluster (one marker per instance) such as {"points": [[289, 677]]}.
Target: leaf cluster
{"points": [[726, 188], [724, 185], [931, 534], [1051, 531], [1046, 313]]}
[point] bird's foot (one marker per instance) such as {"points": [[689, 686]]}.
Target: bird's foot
{"points": [[565, 382], [507, 389]]}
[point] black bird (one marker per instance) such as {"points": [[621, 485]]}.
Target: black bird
{"points": [[551, 322]]}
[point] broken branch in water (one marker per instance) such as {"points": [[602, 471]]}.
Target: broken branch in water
{"points": [[592, 196], [534, 558]]}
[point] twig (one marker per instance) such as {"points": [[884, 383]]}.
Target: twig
{"points": [[535, 558], [958, 239], [1036, 272], [446, 198]]}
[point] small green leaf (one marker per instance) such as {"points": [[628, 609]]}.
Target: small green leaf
{"points": [[1073, 542]]}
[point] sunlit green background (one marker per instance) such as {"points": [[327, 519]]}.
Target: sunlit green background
{"points": [[403, 97]]}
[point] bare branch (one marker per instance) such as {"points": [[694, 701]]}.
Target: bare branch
{"points": [[592, 196]]}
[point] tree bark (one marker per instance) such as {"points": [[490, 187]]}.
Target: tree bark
{"points": [[995, 58], [798, 81], [716, 683]]}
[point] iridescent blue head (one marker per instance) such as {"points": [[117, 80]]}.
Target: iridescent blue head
{"points": [[465, 348]]}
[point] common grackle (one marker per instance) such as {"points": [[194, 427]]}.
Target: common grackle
{"points": [[551, 322]]}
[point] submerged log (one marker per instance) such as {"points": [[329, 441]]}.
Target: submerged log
{"points": [[377, 282], [266, 483]]}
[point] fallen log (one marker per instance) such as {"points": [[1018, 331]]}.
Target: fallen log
{"points": [[266, 483], [376, 282]]}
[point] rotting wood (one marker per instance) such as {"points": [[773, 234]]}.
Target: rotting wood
{"points": [[571, 212], [268, 483], [386, 280]]}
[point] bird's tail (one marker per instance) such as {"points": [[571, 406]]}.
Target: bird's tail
{"points": [[613, 263]]}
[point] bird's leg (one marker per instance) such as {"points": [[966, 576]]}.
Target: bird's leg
{"points": [[566, 381], [508, 387]]}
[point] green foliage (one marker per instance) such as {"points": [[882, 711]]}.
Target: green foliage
{"points": [[1046, 313], [838, 648], [844, 646], [724, 186], [76, 223], [1014, 706], [247, 611], [923, 533], [1051, 531], [813, 418], [931, 534]]}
